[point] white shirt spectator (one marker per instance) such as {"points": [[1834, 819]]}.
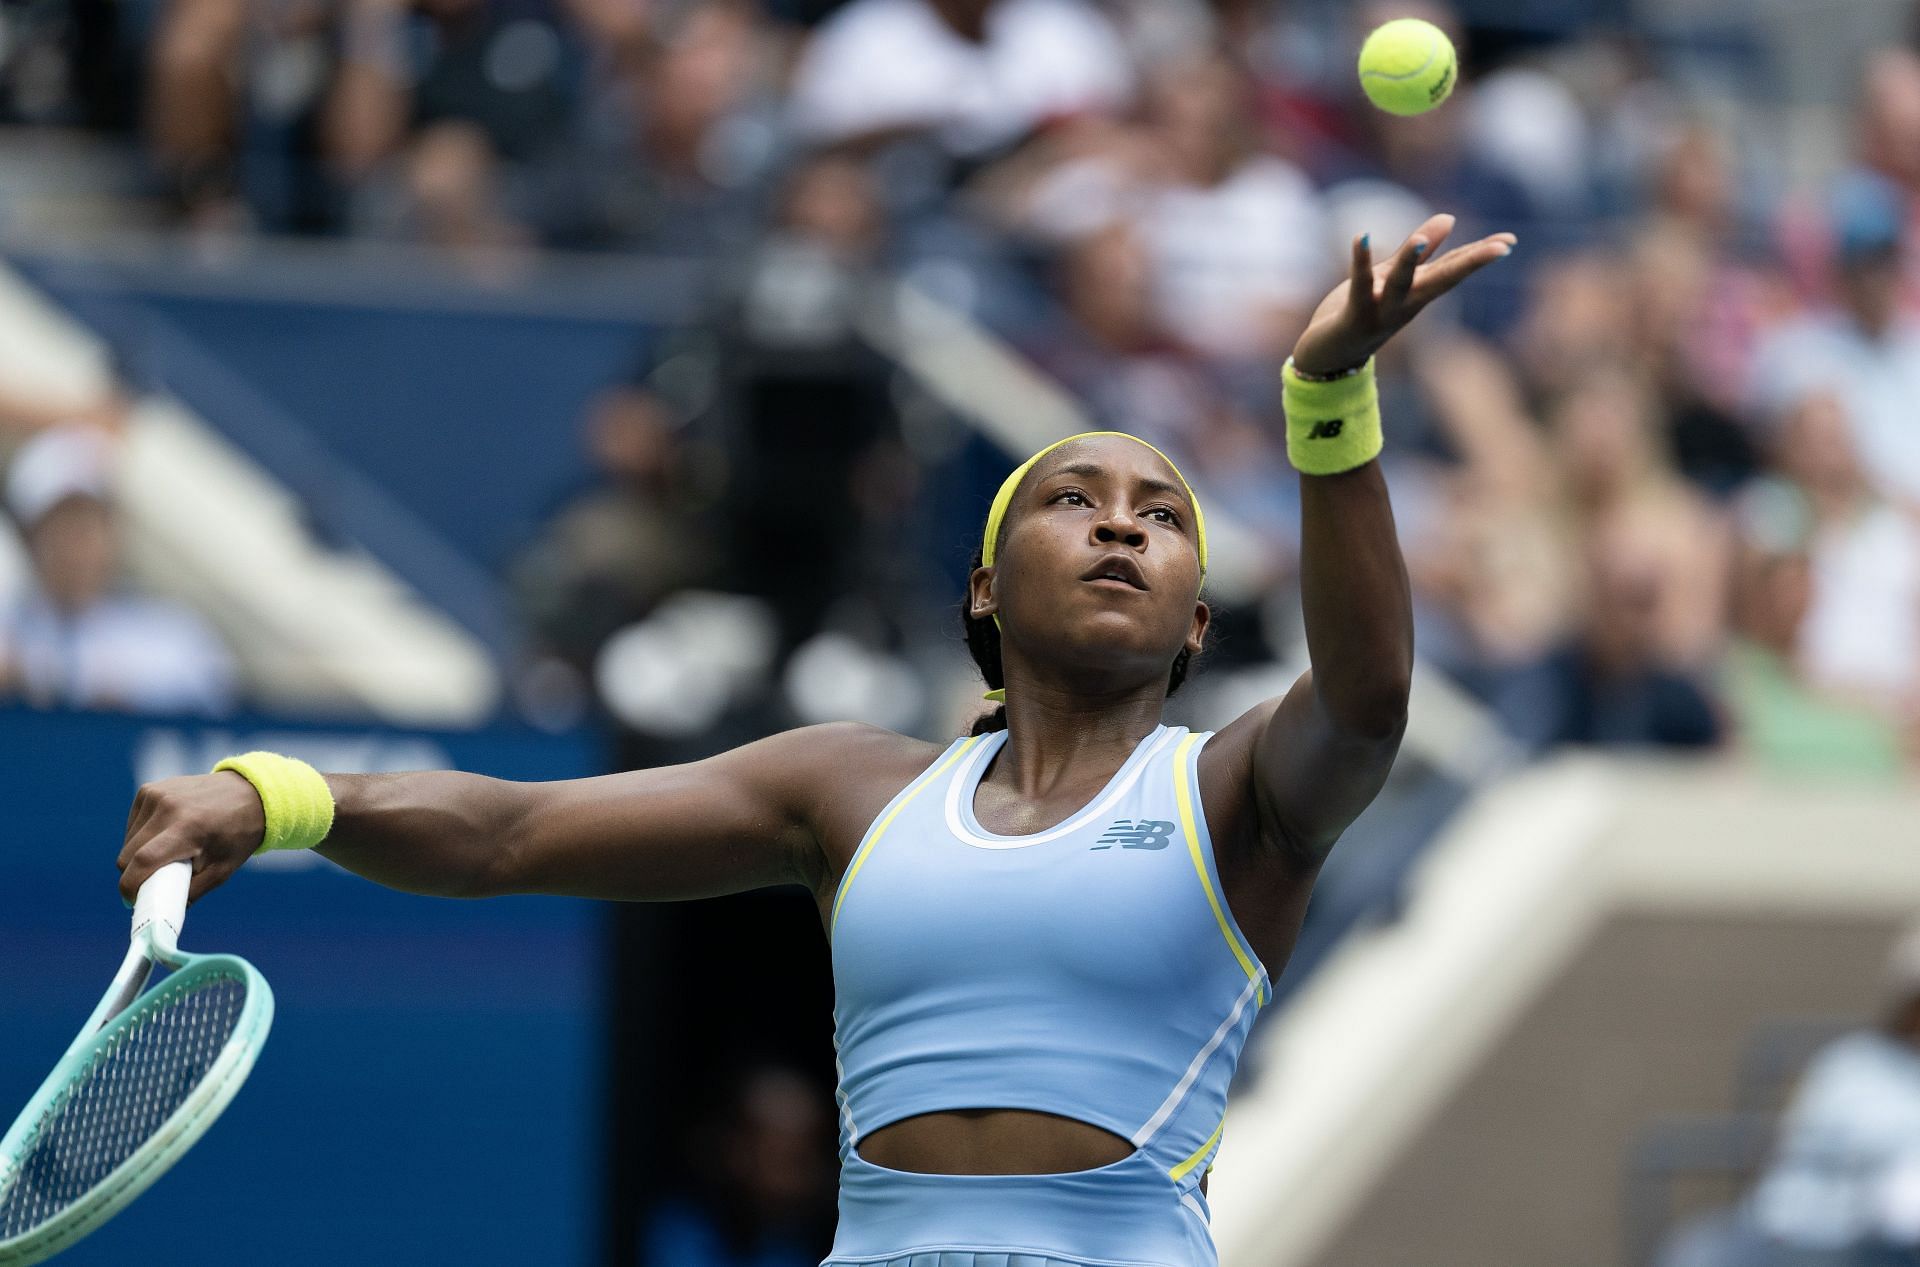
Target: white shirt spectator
{"points": [[124, 652], [1879, 380], [1862, 631], [885, 65], [1226, 257], [68, 639], [1848, 1144]]}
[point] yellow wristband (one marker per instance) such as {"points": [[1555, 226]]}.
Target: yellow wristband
{"points": [[298, 804], [1333, 426]]}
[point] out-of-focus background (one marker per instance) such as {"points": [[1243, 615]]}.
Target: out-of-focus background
{"points": [[548, 387]]}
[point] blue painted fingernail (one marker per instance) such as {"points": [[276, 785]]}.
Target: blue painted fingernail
{"points": [[1366, 241], [1419, 249]]}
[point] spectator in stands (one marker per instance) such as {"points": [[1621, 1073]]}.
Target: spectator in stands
{"points": [[1862, 636], [1846, 1173], [674, 146], [1617, 479], [1782, 718], [234, 105], [1491, 551], [614, 550], [1888, 122], [765, 1196], [1236, 239], [1614, 684], [978, 76], [1578, 315], [196, 105], [1704, 295], [434, 102], [76, 639], [1888, 132], [1865, 347]]}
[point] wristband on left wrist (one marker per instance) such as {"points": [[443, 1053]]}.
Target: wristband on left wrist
{"points": [[294, 796], [1333, 425]]}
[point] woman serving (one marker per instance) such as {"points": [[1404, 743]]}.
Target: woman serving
{"points": [[1049, 938]]}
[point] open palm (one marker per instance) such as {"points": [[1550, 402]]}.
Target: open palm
{"points": [[1376, 300]]}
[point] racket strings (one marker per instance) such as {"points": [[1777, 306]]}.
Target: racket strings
{"points": [[122, 1098]]}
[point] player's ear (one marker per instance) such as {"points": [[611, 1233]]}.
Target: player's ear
{"points": [[1197, 631], [981, 602]]}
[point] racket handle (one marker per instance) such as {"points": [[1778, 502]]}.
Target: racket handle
{"points": [[160, 908]]}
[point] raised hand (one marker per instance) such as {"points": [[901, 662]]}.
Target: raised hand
{"points": [[1376, 300]]}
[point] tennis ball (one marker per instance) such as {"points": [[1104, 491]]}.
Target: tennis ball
{"points": [[1407, 66]]}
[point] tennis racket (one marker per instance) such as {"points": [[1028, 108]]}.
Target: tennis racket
{"points": [[146, 1077]]}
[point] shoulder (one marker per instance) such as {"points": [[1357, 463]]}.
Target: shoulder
{"points": [[1862, 1061], [841, 775], [860, 741], [846, 748]]}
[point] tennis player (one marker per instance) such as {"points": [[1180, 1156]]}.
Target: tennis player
{"points": [[1049, 938]]}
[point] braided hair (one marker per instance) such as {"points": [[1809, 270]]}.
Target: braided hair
{"points": [[983, 644]]}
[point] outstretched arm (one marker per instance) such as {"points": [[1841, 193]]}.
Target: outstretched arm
{"points": [[1322, 752], [744, 819]]}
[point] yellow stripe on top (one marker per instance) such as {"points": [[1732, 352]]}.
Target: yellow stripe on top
{"points": [[1180, 1172], [1183, 797], [873, 838]]}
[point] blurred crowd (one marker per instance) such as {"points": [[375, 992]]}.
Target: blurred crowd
{"points": [[1841, 1187], [1657, 475]]}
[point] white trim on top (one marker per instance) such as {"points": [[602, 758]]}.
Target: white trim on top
{"points": [[1152, 1125], [965, 780]]}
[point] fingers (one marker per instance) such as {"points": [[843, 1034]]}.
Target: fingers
{"points": [[205, 879], [1434, 231], [165, 847], [1399, 281], [1360, 277], [148, 816], [138, 814], [1462, 262]]}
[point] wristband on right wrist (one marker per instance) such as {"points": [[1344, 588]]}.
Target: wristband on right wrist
{"points": [[1332, 425], [295, 797]]}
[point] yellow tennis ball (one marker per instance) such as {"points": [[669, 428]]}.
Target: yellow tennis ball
{"points": [[1407, 66]]}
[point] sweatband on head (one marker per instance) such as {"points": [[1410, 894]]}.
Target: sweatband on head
{"points": [[297, 801], [1331, 426], [1003, 499]]}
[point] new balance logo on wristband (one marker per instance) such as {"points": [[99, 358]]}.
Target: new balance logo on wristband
{"points": [[1148, 833], [1326, 429]]}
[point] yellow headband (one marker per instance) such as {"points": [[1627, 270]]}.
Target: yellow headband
{"points": [[1004, 498]]}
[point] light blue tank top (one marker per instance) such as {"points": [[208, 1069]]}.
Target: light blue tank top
{"points": [[1091, 970]]}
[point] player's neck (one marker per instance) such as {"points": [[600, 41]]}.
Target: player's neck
{"points": [[1056, 737]]}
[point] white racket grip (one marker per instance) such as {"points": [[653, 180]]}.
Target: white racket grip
{"points": [[160, 908]]}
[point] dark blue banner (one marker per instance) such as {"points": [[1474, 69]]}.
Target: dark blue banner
{"points": [[430, 1090]]}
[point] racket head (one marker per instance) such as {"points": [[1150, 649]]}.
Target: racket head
{"points": [[126, 1103]]}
